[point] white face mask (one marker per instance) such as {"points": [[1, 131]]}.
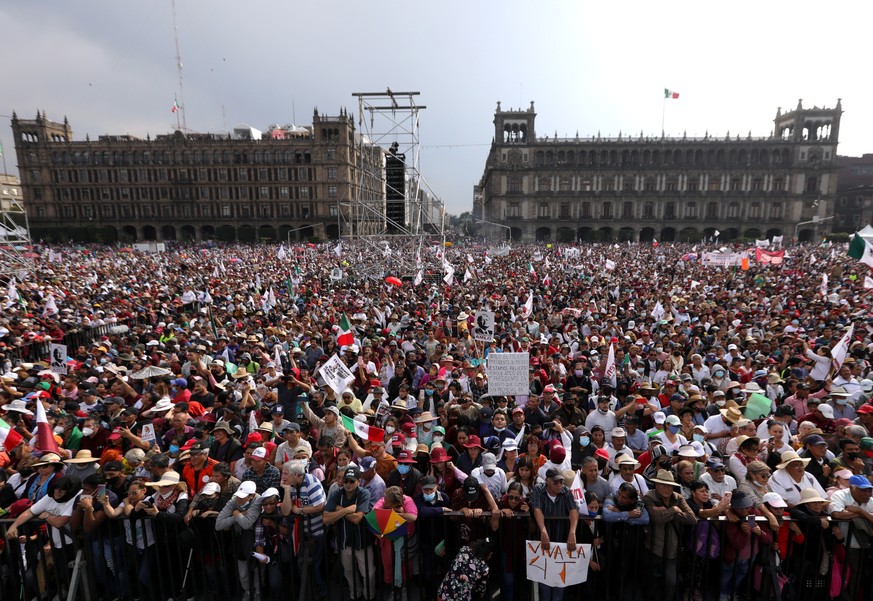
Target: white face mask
{"points": [[390, 429], [58, 430], [87, 431]]}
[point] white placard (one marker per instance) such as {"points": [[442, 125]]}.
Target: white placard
{"points": [[557, 567], [483, 328], [336, 375], [148, 434], [508, 373], [58, 355], [721, 259], [336, 274]]}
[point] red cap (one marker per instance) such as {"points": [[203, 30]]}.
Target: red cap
{"points": [[439, 455], [116, 434], [865, 409], [602, 453], [398, 440], [254, 437], [558, 454], [188, 444], [405, 457], [474, 442], [408, 428]]}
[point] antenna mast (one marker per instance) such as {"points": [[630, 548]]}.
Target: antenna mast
{"points": [[179, 68]]}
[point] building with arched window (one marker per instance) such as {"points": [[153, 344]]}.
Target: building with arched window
{"points": [[671, 189]]}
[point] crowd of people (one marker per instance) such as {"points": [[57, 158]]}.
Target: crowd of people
{"points": [[711, 407]]}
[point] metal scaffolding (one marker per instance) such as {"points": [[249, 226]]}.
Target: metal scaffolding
{"points": [[403, 205], [16, 247]]}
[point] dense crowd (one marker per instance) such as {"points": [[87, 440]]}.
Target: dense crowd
{"points": [[670, 392]]}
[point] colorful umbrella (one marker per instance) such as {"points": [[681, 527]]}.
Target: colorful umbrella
{"points": [[393, 281], [386, 523]]}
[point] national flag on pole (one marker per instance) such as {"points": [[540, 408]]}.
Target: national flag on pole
{"points": [[449, 278], [9, 438], [671, 94], [716, 233], [610, 371], [362, 430], [345, 336], [531, 270], [841, 349], [419, 277], [528, 306], [862, 250], [175, 107], [45, 438], [824, 284]]}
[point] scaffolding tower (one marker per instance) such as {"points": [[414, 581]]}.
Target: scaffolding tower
{"points": [[394, 201], [16, 247]]}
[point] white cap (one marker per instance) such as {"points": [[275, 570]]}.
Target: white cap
{"points": [[489, 461], [245, 489], [659, 417], [826, 410], [259, 453], [774, 500], [270, 492], [210, 488]]}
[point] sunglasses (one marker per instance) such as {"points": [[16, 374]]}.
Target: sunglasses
{"points": [[513, 498]]}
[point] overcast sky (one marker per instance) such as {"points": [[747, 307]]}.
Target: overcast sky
{"points": [[110, 67]]}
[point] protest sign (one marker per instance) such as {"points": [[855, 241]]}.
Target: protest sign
{"points": [[58, 354], [148, 434], [483, 329], [507, 373], [336, 375], [557, 567]]}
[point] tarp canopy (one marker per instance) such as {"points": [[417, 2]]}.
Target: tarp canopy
{"points": [[867, 233]]}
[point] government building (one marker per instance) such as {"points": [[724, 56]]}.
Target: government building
{"points": [[287, 183], [642, 188]]}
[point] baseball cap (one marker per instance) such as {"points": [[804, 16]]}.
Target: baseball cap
{"points": [[774, 500], [557, 454], [352, 473], [245, 489], [814, 440], [367, 463], [659, 417], [259, 453], [510, 445], [673, 420], [471, 488], [826, 410], [860, 482], [210, 488], [489, 461]]}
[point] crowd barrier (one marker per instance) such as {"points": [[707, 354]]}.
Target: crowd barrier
{"points": [[73, 339], [155, 560]]}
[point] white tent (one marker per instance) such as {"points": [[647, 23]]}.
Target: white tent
{"points": [[867, 233]]}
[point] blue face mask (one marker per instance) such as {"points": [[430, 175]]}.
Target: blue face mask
{"points": [[429, 498], [699, 437], [428, 392], [592, 513], [673, 429], [174, 448], [584, 441], [403, 469]]}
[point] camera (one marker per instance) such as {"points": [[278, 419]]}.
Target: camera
{"points": [[148, 502], [548, 425]]}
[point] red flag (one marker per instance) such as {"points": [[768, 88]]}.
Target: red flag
{"points": [[9, 438], [45, 438]]}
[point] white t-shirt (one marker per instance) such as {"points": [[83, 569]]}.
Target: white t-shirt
{"points": [[719, 488], [47, 504], [495, 483]]}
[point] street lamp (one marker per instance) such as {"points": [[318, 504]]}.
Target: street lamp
{"points": [[296, 229], [815, 220], [498, 225]]}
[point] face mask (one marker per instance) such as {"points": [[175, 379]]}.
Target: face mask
{"points": [[174, 448], [719, 403], [499, 429], [438, 438], [699, 437], [87, 431], [673, 429], [579, 373], [403, 469], [429, 498], [584, 441], [602, 411], [428, 392], [592, 513], [718, 374], [842, 401], [245, 506], [58, 430], [390, 429]]}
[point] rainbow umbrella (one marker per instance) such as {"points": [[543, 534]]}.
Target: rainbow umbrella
{"points": [[386, 523]]}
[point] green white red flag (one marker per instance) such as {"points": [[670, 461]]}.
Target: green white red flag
{"points": [[345, 337], [363, 430]]}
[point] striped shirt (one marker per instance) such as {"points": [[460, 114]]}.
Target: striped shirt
{"points": [[310, 493]]}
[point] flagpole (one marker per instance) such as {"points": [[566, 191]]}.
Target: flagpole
{"points": [[663, 110]]}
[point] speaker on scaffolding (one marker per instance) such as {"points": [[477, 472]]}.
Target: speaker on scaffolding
{"points": [[395, 189]]}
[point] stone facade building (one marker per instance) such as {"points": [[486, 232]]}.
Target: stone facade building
{"points": [[670, 189], [854, 206], [290, 182]]}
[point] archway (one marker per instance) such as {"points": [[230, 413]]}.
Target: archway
{"points": [[207, 232], [246, 233], [514, 233], [189, 233], [149, 232], [105, 235], [543, 234], [805, 235], [225, 233], [168, 232], [128, 233], [773, 232], [752, 234], [647, 234], [586, 234], [709, 232], [606, 234], [731, 233], [627, 234], [668, 234], [566, 234], [267, 233], [331, 231], [689, 234], [306, 233]]}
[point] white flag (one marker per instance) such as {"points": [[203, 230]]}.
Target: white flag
{"points": [[658, 311], [272, 297], [841, 349], [222, 267], [215, 273], [253, 421], [716, 233], [449, 278], [418, 277], [50, 307], [610, 366], [277, 355], [824, 284], [470, 259], [258, 282], [528, 306], [468, 275], [868, 282], [338, 249], [488, 259], [282, 254], [547, 263], [11, 293], [610, 264]]}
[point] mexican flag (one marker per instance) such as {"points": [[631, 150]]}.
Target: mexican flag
{"points": [[175, 107], [671, 94], [371, 433], [9, 438], [345, 336], [531, 270], [861, 249]]}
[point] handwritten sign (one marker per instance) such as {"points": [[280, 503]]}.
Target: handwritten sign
{"points": [[58, 358], [336, 375], [508, 373], [483, 329], [557, 567]]}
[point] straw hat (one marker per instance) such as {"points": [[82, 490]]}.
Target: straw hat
{"points": [[731, 412], [665, 477], [424, 418], [49, 459], [83, 456], [790, 457], [627, 460], [170, 478], [810, 495]]}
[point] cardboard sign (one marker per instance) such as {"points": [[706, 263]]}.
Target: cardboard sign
{"points": [[148, 434], [557, 567], [508, 373], [483, 329], [336, 375], [58, 353]]}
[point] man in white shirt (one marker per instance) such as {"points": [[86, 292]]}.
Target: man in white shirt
{"points": [[491, 476], [854, 505], [717, 479]]}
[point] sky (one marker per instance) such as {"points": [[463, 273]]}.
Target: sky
{"points": [[590, 67]]}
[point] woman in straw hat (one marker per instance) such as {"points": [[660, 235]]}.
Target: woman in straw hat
{"points": [[46, 469], [791, 477]]}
